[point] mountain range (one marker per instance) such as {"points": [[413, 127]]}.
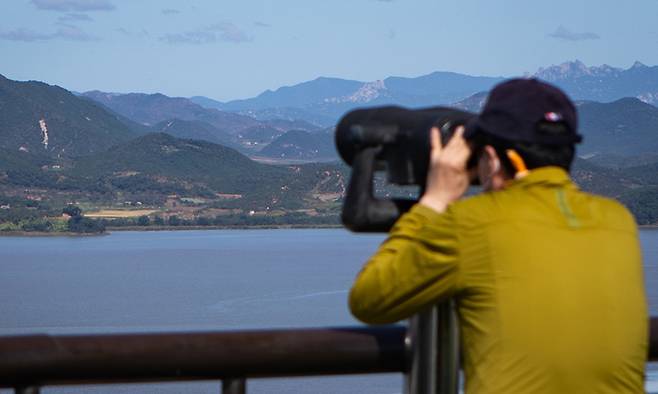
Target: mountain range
{"points": [[184, 118], [324, 100], [625, 126], [604, 83], [110, 147], [252, 124], [328, 98]]}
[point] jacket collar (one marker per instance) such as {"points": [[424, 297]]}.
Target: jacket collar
{"points": [[548, 176]]}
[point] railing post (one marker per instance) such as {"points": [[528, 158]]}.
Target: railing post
{"points": [[27, 390], [422, 337], [448, 352], [433, 341], [234, 386]]}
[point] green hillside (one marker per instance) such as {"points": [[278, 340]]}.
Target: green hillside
{"points": [[25, 169], [298, 144], [165, 155], [625, 127], [193, 129], [197, 168], [45, 119]]}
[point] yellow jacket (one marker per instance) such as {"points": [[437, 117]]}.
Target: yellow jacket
{"points": [[548, 282]]}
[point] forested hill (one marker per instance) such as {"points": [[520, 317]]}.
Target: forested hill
{"points": [[299, 144], [51, 121], [627, 127], [215, 167]]}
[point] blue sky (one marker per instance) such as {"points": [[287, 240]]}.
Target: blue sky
{"points": [[235, 49]]}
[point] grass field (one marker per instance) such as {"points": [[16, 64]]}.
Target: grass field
{"points": [[119, 213]]}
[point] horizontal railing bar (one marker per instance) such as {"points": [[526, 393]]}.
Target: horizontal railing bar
{"points": [[73, 359], [37, 360], [27, 390]]}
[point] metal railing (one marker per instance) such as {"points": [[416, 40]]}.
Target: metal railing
{"points": [[29, 362]]}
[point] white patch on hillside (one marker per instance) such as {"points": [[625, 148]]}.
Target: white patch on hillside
{"points": [[649, 98], [44, 132], [367, 92]]}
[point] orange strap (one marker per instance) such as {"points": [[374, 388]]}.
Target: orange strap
{"points": [[517, 162]]}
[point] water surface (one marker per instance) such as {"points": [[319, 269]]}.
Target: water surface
{"points": [[200, 280]]}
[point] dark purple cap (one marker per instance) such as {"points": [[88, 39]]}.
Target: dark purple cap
{"points": [[527, 110]]}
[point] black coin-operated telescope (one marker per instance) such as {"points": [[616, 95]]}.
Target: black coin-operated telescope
{"points": [[391, 139]]}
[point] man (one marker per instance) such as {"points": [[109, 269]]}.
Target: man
{"points": [[547, 279]]}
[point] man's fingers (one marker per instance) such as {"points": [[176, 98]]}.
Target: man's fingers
{"points": [[457, 148], [435, 139], [458, 137], [457, 141], [459, 133]]}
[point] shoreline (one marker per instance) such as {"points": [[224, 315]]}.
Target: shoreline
{"points": [[110, 230], [236, 227], [47, 234]]}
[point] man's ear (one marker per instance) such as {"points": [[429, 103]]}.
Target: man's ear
{"points": [[493, 161]]}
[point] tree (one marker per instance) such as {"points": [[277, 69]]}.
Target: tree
{"points": [[143, 220], [72, 210], [81, 224], [41, 225], [203, 221]]}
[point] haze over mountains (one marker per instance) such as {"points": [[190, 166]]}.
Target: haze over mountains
{"points": [[116, 145], [331, 97], [251, 124], [181, 117], [623, 125]]}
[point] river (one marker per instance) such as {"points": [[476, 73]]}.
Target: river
{"points": [[198, 281]]}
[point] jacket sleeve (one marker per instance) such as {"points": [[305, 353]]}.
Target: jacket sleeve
{"points": [[415, 267]]}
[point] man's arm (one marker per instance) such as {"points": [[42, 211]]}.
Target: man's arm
{"points": [[417, 265], [414, 268]]}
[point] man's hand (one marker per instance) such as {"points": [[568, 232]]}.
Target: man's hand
{"points": [[447, 178]]}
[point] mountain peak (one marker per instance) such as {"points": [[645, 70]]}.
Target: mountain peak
{"points": [[562, 71], [638, 64], [574, 69]]}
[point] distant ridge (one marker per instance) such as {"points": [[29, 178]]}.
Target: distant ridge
{"points": [[604, 83], [150, 109], [323, 100]]}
